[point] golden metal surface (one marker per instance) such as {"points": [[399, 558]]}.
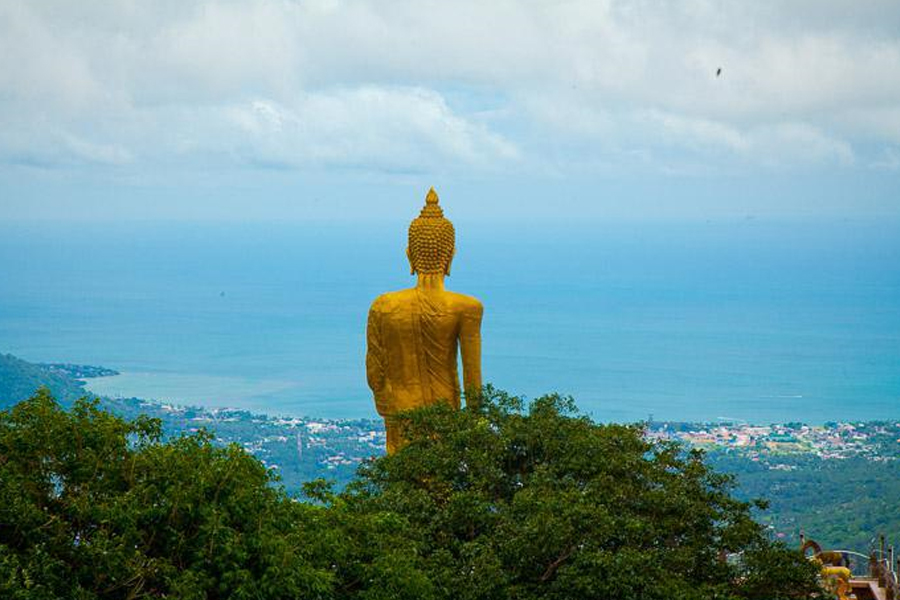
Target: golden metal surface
{"points": [[413, 336]]}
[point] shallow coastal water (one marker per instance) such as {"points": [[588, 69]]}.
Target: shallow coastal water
{"points": [[753, 320], [204, 390]]}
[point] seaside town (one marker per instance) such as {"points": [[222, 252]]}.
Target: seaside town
{"points": [[299, 448], [873, 440]]}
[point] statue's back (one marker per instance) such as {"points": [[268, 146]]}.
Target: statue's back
{"points": [[414, 337]]}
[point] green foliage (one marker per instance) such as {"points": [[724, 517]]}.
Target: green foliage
{"points": [[508, 503], [766, 563], [92, 506], [496, 503]]}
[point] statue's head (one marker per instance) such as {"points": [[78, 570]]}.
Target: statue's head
{"points": [[431, 239]]}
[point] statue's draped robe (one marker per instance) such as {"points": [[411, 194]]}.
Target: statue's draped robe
{"points": [[412, 341]]}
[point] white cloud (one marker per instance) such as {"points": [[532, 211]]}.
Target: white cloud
{"points": [[470, 85], [785, 144], [698, 133], [385, 128], [40, 67]]}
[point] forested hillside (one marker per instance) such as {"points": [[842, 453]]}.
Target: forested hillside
{"points": [[19, 379], [842, 504]]}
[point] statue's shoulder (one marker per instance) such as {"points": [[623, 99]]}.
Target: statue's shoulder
{"points": [[466, 303], [391, 300]]}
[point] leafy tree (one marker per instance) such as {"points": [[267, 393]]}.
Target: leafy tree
{"points": [[495, 503], [92, 506], [505, 502]]}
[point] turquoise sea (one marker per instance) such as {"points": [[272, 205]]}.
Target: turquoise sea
{"points": [[748, 319]]}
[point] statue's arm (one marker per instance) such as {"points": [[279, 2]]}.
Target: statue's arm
{"points": [[374, 353], [470, 348]]}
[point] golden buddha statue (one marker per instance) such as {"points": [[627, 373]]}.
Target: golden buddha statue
{"points": [[413, 335]]}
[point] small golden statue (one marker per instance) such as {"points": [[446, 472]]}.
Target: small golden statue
{"points": [[413, 335]]}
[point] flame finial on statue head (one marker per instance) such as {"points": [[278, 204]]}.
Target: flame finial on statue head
{"points": [[431, 239], [431, 209]]}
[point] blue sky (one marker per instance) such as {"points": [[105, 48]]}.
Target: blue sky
{"points": [[350, 110]]}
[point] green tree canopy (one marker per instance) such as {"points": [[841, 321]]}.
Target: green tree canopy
{"points": [[543, 503], [502, 502], [92, 506]]}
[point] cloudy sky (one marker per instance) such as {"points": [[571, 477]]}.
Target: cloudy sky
{"points": [[347, 109]]}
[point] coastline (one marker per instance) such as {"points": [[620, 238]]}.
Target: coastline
{"points": [[877, 440], [352, 439]]}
